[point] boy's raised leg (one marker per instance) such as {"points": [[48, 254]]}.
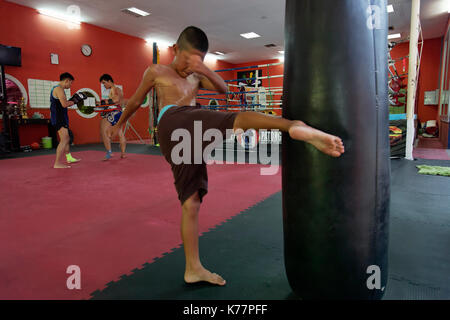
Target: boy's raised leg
{"points": [[297, 130]]}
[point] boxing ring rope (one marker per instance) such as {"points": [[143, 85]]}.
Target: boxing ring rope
{"points": [[236, 85], [252, 67], [235, 92], [256, 78]]}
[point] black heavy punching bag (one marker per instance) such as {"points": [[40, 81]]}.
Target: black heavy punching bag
{"points": [[336, 210]]}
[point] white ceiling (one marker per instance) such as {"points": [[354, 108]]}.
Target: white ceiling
{"points": [[225, 20], [433, 17]]}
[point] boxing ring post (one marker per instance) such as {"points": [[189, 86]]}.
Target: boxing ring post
{"points": [[412, 77], [335, 210], [153, 110]]}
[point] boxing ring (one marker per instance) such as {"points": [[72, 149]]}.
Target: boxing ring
{"points": [[254, 93]]}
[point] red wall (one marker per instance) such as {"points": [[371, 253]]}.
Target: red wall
{"points": [[124, 57], [428, 77]]}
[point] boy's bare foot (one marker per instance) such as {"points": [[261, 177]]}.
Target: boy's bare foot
{"points": [[202, 274], [324, 142], [60, 166], [122, 156]]}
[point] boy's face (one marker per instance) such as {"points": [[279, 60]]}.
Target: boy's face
{"points": [[182, 57], [107, 84], [67, 83]]}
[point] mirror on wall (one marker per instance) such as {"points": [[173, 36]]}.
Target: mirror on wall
{"points": [[13, 92]]}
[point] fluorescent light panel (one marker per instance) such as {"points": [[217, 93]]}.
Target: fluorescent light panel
{"points": [[282, 51], [394, 36], [250, 35], [138, 11], [219, 53], [210, 57], [160, 42], [58, 15], [390, 8]]}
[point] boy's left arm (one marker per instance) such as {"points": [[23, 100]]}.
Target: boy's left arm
{"points": [[209, 79]]}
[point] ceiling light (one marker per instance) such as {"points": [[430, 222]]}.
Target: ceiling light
{"points": [[163, 44], [138, 11], [394, 36], [60, 16], [210, 57], [250, 35], [390, 8], [219, 53], [282, 51]]}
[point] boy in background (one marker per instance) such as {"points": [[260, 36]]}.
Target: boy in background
{"points": [[60, 119]]}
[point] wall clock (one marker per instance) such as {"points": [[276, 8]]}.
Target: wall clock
{"points": [[86, 50]]}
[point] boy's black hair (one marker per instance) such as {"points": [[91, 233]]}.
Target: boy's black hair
{"points": [[66, 75], [106, 77], [193, 37]]}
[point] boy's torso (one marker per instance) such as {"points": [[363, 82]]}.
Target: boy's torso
{"points": [[171, 88], [119, 91]]}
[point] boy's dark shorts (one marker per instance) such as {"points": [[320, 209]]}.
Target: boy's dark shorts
{"points": [[190, 178], [60, 124]]}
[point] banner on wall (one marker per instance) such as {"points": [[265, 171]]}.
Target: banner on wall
{"points": [[248, 77]]}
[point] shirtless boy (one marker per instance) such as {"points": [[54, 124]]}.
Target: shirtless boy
{"points": [[176, 86], [110, 118]]}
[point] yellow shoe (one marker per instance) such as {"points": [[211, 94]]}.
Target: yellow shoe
{"points": [[71, 159]]}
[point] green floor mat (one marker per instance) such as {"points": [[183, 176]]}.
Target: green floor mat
{"points": [[434, 170]]}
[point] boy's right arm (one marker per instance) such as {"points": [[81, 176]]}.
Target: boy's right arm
{"points": [[60, 94], [147, 83]]}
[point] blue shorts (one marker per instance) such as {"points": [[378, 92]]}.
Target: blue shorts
{"points": [[113, 117]]}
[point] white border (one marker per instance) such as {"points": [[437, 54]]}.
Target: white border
{"points": [[148, 101], [93, 114], [216, 105], [20, 85]]}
